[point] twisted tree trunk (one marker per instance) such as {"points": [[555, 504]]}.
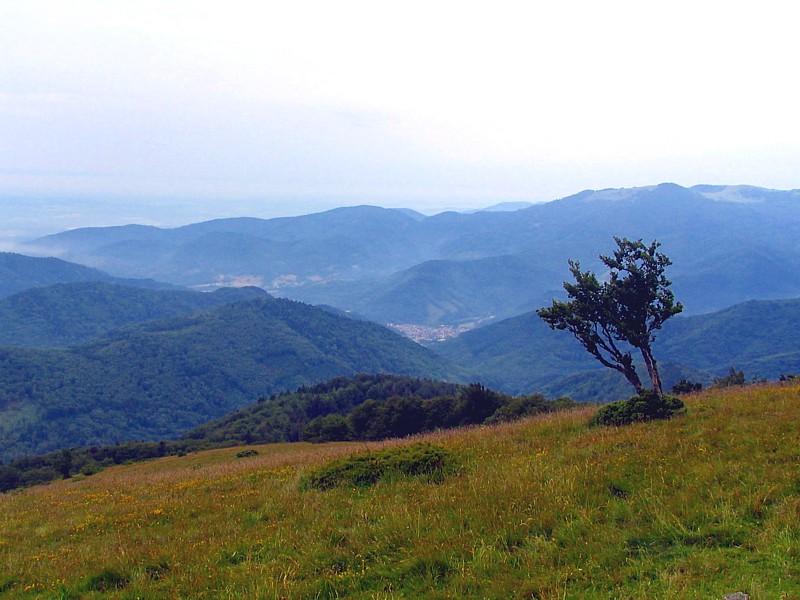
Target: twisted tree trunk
{"points": [[652, 369]]}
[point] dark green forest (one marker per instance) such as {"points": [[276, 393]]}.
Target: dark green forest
{"points": [[159, 379]]}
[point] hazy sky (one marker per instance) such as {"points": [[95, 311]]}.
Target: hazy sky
{"points": [[285, 107]]}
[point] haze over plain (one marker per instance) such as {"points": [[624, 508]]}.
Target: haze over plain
{"points": [[174, 112]]}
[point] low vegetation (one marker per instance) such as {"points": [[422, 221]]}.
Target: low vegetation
{"points": [[646, 406], [692, 507], [368, 468]]}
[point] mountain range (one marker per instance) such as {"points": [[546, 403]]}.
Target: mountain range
{"points": [[66, 314], [89, 357], [728, 244]]}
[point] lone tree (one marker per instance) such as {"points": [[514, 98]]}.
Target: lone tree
{"points": [[628, 308]]}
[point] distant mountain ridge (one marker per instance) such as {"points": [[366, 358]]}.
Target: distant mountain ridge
{"points": [[728, 244], [19, 272]]}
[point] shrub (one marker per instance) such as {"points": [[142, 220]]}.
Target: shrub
{"points": [[91, 469], [363, 470], [9, 478], [733, 378], [525, 406], [646, 406], [106, 580], [246, 453], [40, 475], [684, 386]]}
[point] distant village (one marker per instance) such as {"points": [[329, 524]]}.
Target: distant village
{"points": [[423, 334]]}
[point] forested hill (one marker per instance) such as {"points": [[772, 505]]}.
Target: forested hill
{"points": [[283, 417], [19, 272], [70, 313], [522, 354], [159, 379]]}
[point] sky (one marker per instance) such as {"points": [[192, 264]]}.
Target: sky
{"points": [[171, 111]]}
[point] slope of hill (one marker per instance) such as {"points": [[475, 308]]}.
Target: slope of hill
{"points": [[728, 244], [19, 272], [522, 354], [543, 508], [71, 313], [161, 378]]}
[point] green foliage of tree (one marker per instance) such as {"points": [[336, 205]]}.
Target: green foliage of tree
{"points": [[63, 463], [685, 386], [646, 406], [284, 417], [732, 378], [474, 405], [330, 428], [624, 311], [523, 406], [10, 478]]}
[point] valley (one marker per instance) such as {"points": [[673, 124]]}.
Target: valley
{"points": [[90, 358]]}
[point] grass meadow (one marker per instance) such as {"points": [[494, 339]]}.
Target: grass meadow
{"points": [[697, 507]]}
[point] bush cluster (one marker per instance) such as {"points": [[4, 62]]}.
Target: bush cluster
{"points": [[366, 469], [646, 406], [400, 416]]}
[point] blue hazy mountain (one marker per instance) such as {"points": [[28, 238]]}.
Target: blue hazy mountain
{"points": [[19, 272], [728, 244]]}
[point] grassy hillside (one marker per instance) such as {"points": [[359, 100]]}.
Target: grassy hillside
{"points": [[541, 508], [159, 379], [70, 313]]}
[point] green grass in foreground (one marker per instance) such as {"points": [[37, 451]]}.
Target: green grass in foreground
{"points": [[696, 507]]}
